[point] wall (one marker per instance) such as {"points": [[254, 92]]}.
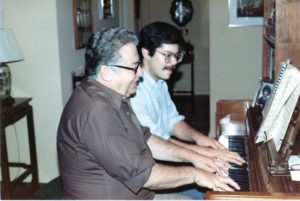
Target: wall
{"points": [[198, 35], [44, 32], [235, 58], [34, 24], [72, 59]]}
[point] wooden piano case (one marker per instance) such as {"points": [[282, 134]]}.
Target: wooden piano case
{"points": [[281, 42], [259, 156]]}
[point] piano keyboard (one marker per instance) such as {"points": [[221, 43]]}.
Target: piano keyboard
{"points": [[239, 174]]}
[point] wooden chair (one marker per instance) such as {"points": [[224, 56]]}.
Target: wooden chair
{"points": [[76, 79]]}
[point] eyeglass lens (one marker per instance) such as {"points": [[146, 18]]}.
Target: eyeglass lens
{"points": [[168, 56], [135, 69]]}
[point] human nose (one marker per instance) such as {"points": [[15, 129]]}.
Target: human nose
{"points": [[139, 72], [173, 60]]}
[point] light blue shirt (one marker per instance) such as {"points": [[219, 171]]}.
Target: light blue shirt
{"points": [[154, 108]]}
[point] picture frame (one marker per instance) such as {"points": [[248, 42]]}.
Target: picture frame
{"points": [[245, 13], [262, 94], [106, 9]]}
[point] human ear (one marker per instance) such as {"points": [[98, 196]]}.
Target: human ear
{"points": [[145, 53], [106, 72]]}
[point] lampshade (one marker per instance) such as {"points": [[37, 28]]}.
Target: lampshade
{"points": [[9, 49], [9, 52]]}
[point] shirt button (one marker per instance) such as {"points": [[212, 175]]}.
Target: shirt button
{"points": [[127, 113]]}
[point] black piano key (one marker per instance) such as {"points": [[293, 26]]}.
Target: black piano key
{"points": [[235, 166], [236, 139], [244, 187], [239, 173]]}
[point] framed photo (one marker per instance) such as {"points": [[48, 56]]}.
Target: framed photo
{"points": [[106, 9], [245, 12], [263, 94]]}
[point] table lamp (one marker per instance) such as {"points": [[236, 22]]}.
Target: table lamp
{"points": [[9, 52]]}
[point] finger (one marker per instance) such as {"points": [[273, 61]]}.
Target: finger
{"points": [[219, 189], [222, 165], [225, 187], [215, 144], [232, 183], [221, 186], [237, 157], [209, 167], [218, 145], [237, 160], [221, 172], [233, 158]]}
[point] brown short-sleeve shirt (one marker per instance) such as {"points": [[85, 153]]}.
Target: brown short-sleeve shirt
{"points": [[102, 147]]}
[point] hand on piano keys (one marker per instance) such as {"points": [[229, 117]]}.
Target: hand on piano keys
{"points": [[215, 182], [238, 173], [224, 155]]}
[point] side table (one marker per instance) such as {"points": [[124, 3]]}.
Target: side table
{"points": [[10, 114]]}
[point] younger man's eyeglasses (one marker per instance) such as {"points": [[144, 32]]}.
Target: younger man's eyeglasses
{"points": [[135, 69], [168, 56]]}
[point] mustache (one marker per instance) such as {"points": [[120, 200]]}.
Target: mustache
{"points": [[169, 68]]}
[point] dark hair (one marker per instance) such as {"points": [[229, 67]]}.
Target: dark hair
{"points": [[156, 34], [103, 48], [267, 88]]}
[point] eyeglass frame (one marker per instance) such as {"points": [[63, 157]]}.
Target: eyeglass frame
{"points": [[135, 69], [178, 56]]}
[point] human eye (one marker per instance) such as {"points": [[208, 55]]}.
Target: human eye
{"points": [[169, 55]]}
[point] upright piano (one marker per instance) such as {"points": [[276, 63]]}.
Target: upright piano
{"points": [[255, 178]]}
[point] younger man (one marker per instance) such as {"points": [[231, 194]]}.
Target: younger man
{"points": [[161, 49]]}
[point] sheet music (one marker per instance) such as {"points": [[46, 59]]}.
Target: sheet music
{"points": [[280, 107]]}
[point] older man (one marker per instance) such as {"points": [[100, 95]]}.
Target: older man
{"points": [[104, 153]]}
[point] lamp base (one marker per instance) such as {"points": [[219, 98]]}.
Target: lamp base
{"points": [[5, 81]]}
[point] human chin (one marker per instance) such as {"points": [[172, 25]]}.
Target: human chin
{"points": [[132, 89], [166, 75]]}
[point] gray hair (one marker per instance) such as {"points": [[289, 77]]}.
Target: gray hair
{"points": [[103, 48]]}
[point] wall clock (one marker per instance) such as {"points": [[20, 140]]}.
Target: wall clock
{"points": [[181, 11]]}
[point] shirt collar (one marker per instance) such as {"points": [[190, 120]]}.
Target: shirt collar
{"points": [[105, 91], [150, 81]]}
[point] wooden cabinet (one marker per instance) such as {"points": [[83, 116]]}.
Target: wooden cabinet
{"points": [[82, 22], [10, 114], [281, 31]]}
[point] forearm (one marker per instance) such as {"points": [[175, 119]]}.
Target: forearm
{"points": [[221, 154], [167, 151], [184, 131], [165, 177], [196, 148]]}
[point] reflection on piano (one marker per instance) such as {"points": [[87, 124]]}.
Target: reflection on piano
{"points": [[254, 177]]}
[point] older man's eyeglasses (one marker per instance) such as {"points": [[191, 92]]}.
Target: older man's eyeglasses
{"points": [[135, 69], [168, 56]]}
